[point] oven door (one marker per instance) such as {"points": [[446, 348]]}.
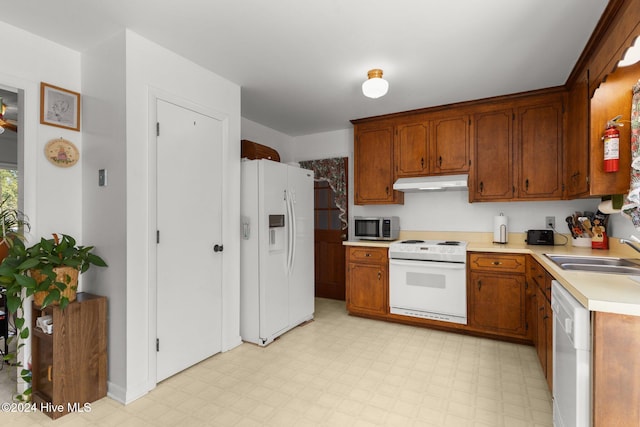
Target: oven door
{"points": [[428, 289]]}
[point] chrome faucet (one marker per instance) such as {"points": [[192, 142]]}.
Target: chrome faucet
{"points": [[632, 243]]}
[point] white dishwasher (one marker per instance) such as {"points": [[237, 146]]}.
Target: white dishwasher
{"points": [[571, 360]]}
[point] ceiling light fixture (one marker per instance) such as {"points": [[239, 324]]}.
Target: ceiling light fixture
{"points": [[375, 86], [632, 55]]}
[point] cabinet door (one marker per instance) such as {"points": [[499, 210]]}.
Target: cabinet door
{"points": [[373, 167], [576, 146], [540, 150], [541, 329], [450, 145], [367, 288], [493, 152], [498, 303], [549, 343], [612, 98], [411, 150]]}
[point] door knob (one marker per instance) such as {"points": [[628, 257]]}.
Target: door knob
{"points": [[218, 248]]}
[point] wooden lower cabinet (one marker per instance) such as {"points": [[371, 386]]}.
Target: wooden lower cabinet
{"points": [[544, 340], [616, 370], [497, 303], [69, 366], [497, 294], [542, 316], [367, 281]]}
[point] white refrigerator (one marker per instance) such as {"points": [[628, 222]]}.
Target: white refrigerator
{"points": [[277, 242]]}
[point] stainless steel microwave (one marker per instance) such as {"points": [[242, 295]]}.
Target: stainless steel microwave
{"points": [[376, 228]]}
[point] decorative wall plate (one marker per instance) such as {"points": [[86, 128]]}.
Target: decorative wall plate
{"points": [[61, 152]]}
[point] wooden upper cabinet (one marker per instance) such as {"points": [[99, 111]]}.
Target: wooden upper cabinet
{"points": [[539, 151], [612, 98], [434, 146], [493, 156], [517, 146], [450, 147], [412, 149], [576, 145], [374, 166]]}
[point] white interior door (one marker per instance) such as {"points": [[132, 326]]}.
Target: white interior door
{"points": [[189, 221]]}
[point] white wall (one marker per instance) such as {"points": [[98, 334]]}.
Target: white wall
{"points": [[150, 67], [52, 195], [324, 145], [120, 78], [449, 211], [104, 208], [266, 136]]}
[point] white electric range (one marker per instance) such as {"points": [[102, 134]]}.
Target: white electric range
{"points": [[427, 279]]}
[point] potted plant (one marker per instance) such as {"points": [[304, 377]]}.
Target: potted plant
{"points": [[12, 225], [48, 270]]}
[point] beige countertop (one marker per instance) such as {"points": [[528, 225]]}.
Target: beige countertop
{"points": [[611, 293]]}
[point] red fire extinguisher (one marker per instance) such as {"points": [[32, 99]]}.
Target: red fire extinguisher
{"points": [[611, 138]]}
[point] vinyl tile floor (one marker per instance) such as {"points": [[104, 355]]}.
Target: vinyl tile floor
{"points": [[340, 370]]}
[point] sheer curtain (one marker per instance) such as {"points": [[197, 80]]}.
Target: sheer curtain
{"points": [[632, 205], [332, 171]]}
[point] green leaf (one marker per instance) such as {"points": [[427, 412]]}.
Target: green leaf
{"points": [[24, 334], [25, 281], [75, 263], [13, 303], [19, 322], [28, 264], [96, 260], [47, 245], [64, 302], [54, 295]]}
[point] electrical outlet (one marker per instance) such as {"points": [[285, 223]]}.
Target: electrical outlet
{"points": [[550, 222]]}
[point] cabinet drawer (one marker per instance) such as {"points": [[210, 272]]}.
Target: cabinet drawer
{"points": [[536, 272], [497, 262], [367, 254]]}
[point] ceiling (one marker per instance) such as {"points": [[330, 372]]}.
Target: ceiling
{"points": [[301, 63]]}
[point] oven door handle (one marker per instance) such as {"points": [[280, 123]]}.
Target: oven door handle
{"points": [[432, 264]]}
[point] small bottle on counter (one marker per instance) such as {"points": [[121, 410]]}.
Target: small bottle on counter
{"points": [[599, 239]]}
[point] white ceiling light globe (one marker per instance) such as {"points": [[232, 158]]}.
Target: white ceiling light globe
{"points": [[375, 86]]}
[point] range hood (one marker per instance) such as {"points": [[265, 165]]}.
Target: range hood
{"points": [[432, 183]]}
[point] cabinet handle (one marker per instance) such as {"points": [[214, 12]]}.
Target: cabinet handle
{"points": [[526, 184], [479, 284], [49, 369], [440, 160], [367, 254], [497, 263], [379, 275], [481, 186], [422, 163], [387, 190]]}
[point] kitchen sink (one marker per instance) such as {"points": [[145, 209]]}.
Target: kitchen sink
{"points": [[596, 264]]}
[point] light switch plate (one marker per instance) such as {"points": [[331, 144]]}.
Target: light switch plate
{"points": [[102, 178]]}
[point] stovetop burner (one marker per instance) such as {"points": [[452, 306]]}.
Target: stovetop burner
{"points": [[429, 250]]}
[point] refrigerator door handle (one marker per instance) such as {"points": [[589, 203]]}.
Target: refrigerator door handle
{"points": [[289, 231], [294, 233]]}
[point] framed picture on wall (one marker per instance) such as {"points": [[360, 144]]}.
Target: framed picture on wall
{"points": [[59, 107]]}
